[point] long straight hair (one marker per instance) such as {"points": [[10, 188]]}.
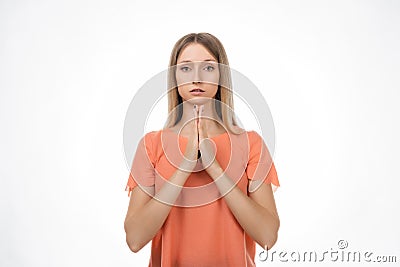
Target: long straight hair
{"points": [[224, 92]]}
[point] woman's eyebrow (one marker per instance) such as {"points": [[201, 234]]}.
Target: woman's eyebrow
{"points": [[208, 59]]}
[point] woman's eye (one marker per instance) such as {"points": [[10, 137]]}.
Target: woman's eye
{"points": [[209, 68], [184, 69]]}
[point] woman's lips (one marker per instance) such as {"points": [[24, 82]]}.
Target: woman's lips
{"points": [[196, 91]]}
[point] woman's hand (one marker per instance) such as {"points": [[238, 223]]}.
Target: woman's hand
{"points": [[207, 148], [192, 146]]}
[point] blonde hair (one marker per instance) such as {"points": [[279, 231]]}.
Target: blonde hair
{"points": [[224, 93]]}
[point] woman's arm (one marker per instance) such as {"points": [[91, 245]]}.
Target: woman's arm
{"points": [[146, 215], [256, 213]]}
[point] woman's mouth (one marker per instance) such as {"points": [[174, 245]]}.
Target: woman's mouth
{"points": [[196, 91]]}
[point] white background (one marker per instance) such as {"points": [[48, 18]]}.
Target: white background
{"points": [[329, 71]]}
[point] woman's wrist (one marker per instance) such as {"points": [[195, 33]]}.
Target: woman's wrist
{"points": [[215, 170], [186, 166]]}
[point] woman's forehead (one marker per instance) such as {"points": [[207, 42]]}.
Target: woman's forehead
{"points": [[195, 52]]}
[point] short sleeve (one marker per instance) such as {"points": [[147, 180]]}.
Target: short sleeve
{"points": [[260, 166], [142, 169]]}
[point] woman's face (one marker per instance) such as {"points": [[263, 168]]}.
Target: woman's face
{"points": [[197, 74]]}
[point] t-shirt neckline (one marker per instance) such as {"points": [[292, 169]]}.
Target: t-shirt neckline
{"points": [[184, 137]]}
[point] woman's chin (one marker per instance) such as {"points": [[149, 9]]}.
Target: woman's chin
{"points": [[198, 100]]}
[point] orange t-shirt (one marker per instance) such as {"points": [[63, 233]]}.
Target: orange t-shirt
{"points": [[200, 229]]}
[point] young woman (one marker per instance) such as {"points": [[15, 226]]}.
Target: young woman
{"points": [[205, 195]]}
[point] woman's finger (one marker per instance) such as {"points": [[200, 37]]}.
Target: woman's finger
{"points": [[196, 124], [200, 125]]}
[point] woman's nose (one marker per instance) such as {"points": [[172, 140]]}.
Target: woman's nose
{"points": [[196, 75]]}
